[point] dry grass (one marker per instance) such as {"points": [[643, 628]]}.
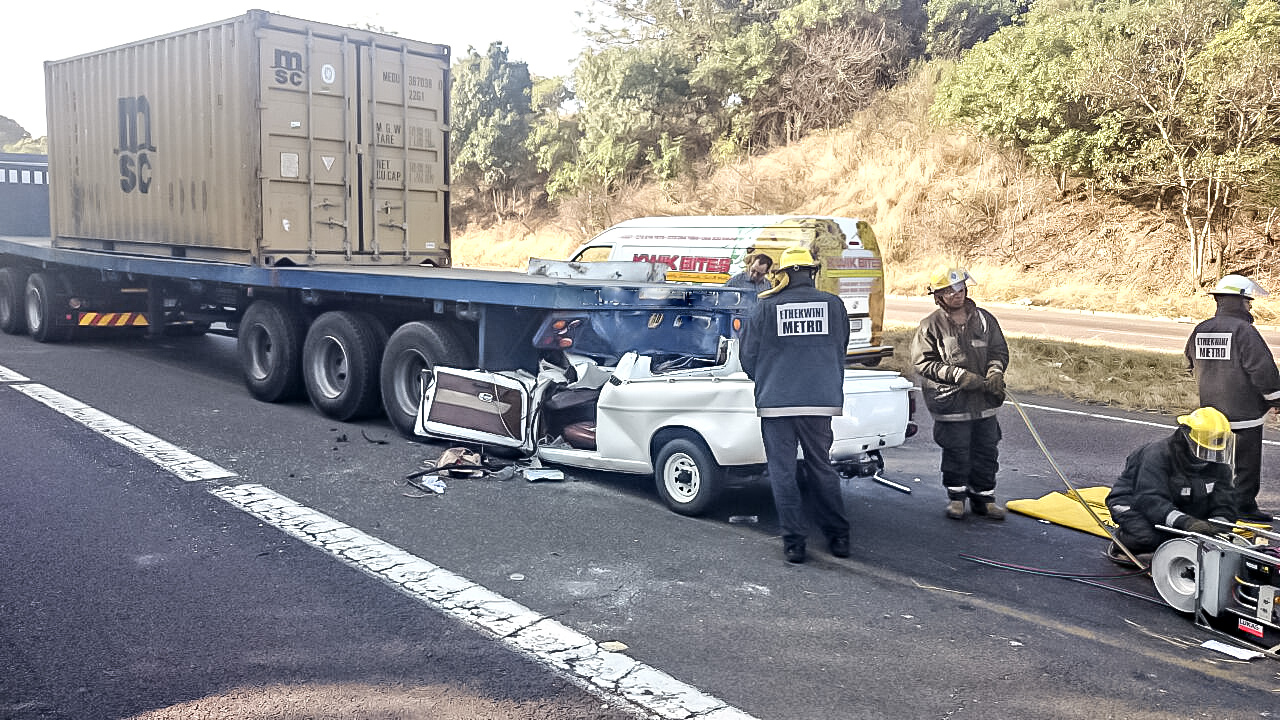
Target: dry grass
{"points": [[1128, 379]]}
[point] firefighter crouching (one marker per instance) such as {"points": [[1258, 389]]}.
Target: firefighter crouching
{"points": [[1179, 481]]}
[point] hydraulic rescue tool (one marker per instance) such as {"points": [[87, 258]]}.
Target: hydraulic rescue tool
{"points": [[1229, 585]]}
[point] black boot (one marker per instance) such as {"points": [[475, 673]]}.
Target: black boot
{"points": [[794, 551]]}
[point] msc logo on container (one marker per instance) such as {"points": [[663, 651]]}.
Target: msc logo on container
{"points": [[288, 68], [133, 118]]}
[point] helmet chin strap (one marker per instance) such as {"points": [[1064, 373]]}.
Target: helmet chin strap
{"points": [[780, 280]]}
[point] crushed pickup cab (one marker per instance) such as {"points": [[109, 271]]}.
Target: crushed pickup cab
{"points": [[676, 405]]}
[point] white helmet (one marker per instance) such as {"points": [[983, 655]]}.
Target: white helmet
{"points": [[955, 278], [1238, 285]]}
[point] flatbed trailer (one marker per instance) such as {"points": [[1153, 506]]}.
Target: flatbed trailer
{"points": [[355, 339]]}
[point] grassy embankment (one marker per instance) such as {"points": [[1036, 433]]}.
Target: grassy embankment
{"points": [[937, 197], [1115, 377]]}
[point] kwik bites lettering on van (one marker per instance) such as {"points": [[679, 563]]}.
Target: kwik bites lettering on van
{"points": [[711, 249], [704, 258]]}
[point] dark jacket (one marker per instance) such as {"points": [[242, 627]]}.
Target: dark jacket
{"points": [[1163, 482], [793, 347], [1233, 366], [942, 351]]}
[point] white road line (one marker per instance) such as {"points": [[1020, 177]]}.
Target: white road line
{"points": [[515, 625], [1100, 416], [7, 375], [609, 674], [170, 457]]}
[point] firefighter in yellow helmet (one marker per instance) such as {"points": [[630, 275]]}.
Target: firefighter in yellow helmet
{"points": [[793, 347], [960, 354], [1179, 481]]}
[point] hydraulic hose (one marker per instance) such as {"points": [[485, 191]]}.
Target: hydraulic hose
{"points": [[1074, 493]]}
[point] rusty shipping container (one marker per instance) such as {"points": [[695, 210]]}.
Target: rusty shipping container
{"points": [[261, 139]]}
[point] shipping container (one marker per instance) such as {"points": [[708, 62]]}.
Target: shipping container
{"points": [[262, 140]]}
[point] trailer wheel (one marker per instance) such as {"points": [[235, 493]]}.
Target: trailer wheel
{"points": [[13, 318], [269, 344], [340, 364], [43, 291], [413, 348], [687, 476]]}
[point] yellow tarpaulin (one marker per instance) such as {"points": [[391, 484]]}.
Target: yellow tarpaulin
{"points": [[1062, 509]]}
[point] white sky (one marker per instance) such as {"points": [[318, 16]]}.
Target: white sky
{"points": [[543, 33]]}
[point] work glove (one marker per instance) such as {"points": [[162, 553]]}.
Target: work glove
{"points": [[995, 381], [971, 380], [1195, 525]]}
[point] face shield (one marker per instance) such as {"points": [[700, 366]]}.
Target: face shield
{"points": [[1211, 445]]}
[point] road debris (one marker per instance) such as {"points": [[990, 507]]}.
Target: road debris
{"points": [[375, 441], [1238, 653]]}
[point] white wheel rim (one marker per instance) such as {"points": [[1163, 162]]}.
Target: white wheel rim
{"points": [[681, 478]]}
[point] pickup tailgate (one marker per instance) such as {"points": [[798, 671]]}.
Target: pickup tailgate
{"points": [[877, 413]]}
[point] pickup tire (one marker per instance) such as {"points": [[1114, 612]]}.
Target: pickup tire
{"points": [[687, 477], [43, 294], [416, 347], [269, 344], [13, 317], [340, 364]]}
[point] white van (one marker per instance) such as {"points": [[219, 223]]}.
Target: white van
{"points": [[711, 248]]}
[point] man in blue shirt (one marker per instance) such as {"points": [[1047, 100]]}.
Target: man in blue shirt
{"points": [[756, 276]]}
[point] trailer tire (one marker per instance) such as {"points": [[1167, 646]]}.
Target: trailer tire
{"points": [[269, 343], [42, 295], [414, 347], [13, 317], [686, 474], [340, 361]]}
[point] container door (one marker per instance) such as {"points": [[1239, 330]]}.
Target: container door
{"points": [[404, 156], [308, 84]]}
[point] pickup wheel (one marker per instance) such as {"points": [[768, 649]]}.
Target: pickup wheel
{"points": [[42, 294], [340, 364], [13, 318], [269, 344], [687, 476], [416, 347]]}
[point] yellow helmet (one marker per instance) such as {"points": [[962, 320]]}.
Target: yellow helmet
{"points": [[796, 257], [1209, 435], [949, 277], [1238, 285]]}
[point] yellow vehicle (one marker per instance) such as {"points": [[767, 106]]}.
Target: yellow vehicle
{"points": [[711, 248]]}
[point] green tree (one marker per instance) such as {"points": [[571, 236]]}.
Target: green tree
{"points": [[631, 98], [1147, 96], [492, 111], [1197, 89], [1022, 86], [11, 132], [957, 25], [671, 80], [554, 136]]}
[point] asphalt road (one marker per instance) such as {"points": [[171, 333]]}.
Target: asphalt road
{"points": [[1165, 335], [907, 627], [126, 592]]}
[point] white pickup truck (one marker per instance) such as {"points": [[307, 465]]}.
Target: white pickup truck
{"points": [[677, 406]]}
